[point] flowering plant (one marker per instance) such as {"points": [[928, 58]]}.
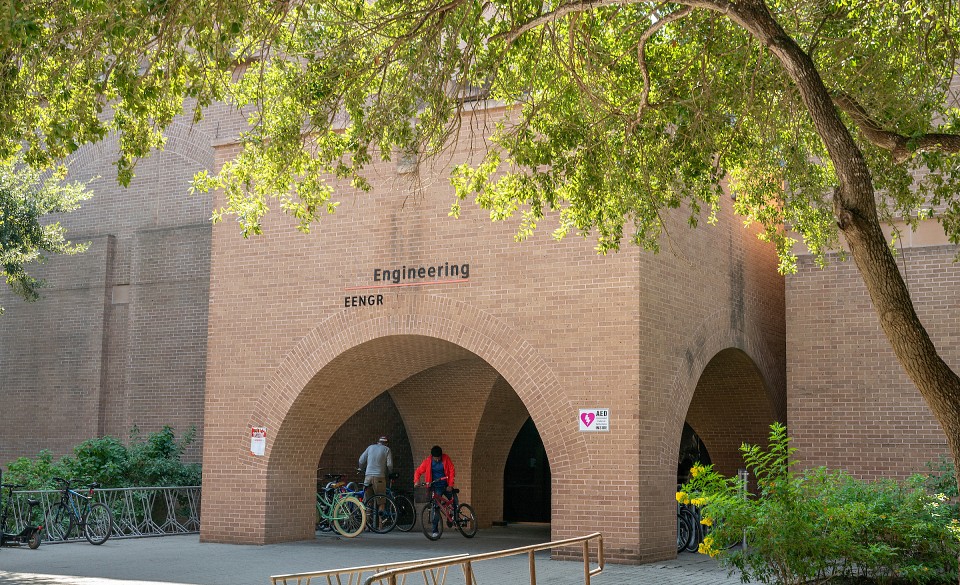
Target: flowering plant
{"points": [[817, 525]]}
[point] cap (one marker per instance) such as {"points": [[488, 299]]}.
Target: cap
{"points": [[382, 439]]}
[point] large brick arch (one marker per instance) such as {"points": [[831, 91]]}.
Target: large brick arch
{"points": [[729, 408], [715, 336], [377, 350]]}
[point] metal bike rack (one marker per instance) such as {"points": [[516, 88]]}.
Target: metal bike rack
{"points": [[137, 512]]}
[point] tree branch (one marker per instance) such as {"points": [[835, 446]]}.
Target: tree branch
{"points": [[901, 147], [559, 12], [642, 50]]}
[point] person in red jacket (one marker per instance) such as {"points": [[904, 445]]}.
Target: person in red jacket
{"points": [[438, 466]]}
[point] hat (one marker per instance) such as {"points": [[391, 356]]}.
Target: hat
{"points": [[382, 439]]}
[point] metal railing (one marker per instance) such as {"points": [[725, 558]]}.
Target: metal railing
{"points": [[137, 512], [353, 575], [432, 567]]}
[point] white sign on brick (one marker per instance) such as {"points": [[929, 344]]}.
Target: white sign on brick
{"points": [[258, 441], [595, 420]]}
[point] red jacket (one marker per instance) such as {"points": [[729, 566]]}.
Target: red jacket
{"points": [[425, 469]]}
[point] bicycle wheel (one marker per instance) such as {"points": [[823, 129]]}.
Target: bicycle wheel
{"points": [[381, 514], [59, 523], [34, 542], [349, 517], [430, 512], [406, 513], [696, 529], [98, 523], [323, 512], [684, 529], [466, 520]]}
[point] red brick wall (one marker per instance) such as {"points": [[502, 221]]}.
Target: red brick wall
{"points": [[562, 327], [851, 405], [119, 337]]}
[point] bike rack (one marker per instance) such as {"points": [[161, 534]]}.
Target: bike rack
{"points": [[137, 512]]}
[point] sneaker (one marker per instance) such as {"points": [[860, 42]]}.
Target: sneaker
{"points": [[435, 535]]}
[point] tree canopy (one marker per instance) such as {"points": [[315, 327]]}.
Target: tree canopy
{"points": [[825, 116], [26, 233]]}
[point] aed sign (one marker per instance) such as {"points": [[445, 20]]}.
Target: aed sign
{"points": [[595, 420]]}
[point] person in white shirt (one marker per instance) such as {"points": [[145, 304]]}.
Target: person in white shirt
{"points": [[376, 463]]}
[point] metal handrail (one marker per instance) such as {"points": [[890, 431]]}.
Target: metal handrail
{"points": [[466, 563], [353, 574]]}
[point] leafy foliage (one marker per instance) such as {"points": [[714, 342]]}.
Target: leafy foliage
{"points": [[809, 527], [26, 233], [153, 461], [618, 113]]}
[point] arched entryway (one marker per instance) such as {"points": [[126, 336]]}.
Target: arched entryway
{"points": [[463, 405], [440, 373], [730, 406]]}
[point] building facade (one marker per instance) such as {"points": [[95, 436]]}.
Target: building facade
{"points": [[392, 318]]}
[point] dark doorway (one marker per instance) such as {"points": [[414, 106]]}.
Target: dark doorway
{"points": [[526, 478], [691, 451]]}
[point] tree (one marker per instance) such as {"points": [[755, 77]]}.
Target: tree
{"points": [[26, 233], [826, 116]]}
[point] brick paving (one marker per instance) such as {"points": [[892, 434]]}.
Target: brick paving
{"points": [[176, 560]]}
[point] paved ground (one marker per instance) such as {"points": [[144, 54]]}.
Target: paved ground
{"points": [[185, 560]]}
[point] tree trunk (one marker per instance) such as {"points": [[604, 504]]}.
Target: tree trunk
{"points": [[856, 213]]}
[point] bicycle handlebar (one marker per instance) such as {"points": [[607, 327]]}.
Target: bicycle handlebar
{"points": [[67, 482], [436, 481]]}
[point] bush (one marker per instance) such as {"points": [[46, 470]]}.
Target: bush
{"points": [[819, 525], [154, 461]]}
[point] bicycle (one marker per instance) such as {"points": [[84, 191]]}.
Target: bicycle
{"points": [[698, 530], [9, 535], [406, 511], [381, 509], [338, 510], [441, 506], [92, 519], [686, 527]]}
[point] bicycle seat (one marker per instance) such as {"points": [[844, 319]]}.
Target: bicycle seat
{"points": [[456, 490], [32, 502]]}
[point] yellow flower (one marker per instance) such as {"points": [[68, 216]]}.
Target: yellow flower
{"points": [[698, 501], [695, 471], [681, 497], [706, 521]]}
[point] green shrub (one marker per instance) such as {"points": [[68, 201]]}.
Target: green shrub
{"points": [[813, 526], [154, 461]]}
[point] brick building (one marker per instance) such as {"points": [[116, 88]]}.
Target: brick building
{"points": [[363, 328]]}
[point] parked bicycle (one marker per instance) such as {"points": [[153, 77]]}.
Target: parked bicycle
{"points": [[689, 517], [406, 510], [338, 510], [441, 507], [12, 535], [381, 510], [686, 527], [92, 519]]}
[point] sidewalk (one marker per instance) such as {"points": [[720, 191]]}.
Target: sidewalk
{"points": [[184, 560]]}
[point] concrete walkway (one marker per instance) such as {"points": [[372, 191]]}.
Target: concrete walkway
{"points": [[185, 560]]}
